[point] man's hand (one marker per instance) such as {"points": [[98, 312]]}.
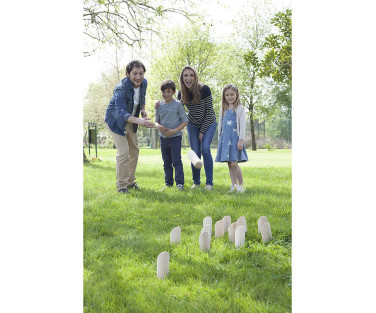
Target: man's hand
{"points": [[200, 135], [143, 113], [145, 122], [239, 145]]}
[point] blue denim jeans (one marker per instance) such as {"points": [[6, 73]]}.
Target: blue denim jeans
{"points": [[171, 154], [204, 148]]}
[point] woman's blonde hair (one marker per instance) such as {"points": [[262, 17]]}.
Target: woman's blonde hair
{"points": [[224, 102], [195, 89]]}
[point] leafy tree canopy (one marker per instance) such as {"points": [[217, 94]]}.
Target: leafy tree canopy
{"points": [[277, 62]]}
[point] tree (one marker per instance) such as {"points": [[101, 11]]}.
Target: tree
{"points": [[120, 22], [277, 62], [252, 28]]}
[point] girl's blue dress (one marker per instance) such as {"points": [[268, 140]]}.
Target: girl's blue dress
{"points": [[227, 151]]}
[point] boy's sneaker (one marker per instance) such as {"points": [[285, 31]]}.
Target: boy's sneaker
{"points": [[180, 187], [232, 189], [123, 190], [240, 188], [194, 186], [135, 187], [209, 187], [165, 187]]}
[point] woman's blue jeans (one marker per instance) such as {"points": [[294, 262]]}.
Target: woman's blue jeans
{"points": [[204, 149]]}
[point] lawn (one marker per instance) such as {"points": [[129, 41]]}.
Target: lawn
{"points": [[124, 234]]}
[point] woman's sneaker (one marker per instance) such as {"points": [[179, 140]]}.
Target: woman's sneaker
{"points": [[232, 189], [180, 187], [194, 186]]}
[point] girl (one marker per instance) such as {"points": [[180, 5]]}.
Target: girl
{"points": [[231, 132]]}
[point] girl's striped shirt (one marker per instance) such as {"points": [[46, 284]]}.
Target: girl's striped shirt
{"points": [[201, 114]]}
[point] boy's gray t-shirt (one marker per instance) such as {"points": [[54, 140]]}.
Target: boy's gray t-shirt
{"points": [[171, 115]]}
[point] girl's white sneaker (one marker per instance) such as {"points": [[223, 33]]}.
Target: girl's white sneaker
{"points": [[232, 189], [240, 188]]}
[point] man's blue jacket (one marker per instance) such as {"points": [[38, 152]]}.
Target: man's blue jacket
{"points": [[121, 104]]}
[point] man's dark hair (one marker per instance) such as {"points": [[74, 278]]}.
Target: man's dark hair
{"points": [[133, 64], [168, 84]]}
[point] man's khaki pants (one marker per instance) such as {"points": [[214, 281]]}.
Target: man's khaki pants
{"points": [[126, 157]]}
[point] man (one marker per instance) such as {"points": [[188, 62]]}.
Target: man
{"points": [[122, 118]]}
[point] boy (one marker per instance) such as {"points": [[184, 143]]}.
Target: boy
{"points": [[170, 119]]}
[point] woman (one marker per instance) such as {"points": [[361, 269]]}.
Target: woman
{"points": [[202, 123]]}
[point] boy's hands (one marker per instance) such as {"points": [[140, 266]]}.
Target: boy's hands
{"points": [[161, 128], [239, 145], [169, 132]]}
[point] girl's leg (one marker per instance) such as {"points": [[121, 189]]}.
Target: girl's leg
{"points": [[232, 173], [238, 173]]}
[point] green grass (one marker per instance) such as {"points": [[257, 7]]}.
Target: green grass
{"points": [[123, 235]]}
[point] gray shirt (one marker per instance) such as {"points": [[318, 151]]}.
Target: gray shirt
{"points": [[171, 115]]}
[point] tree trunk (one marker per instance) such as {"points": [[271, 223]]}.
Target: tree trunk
{"points": [[85, 158], [251, 115], [252, 129], [153, 139]]}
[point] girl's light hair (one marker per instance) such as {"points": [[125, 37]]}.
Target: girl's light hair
{"points": [[195, 89], [237, 100]]}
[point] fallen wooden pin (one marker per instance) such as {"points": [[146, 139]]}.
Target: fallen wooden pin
{"points": [[163, 264], [197, 163], [175, 235]]}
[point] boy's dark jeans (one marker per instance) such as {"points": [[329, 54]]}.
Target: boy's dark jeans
{"points": [[171, 154]]}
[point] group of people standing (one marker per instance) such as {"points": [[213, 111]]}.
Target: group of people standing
{"points": [[128, 104]]}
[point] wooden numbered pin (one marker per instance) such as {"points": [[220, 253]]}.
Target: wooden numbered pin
{"points": [[219, 232], [163, 263], [226, 223], [175, 235], [266, 232], [239, 236], [242, 222], [261, 220], [231, 232], [205, 241]]}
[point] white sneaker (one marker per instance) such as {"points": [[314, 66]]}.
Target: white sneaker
{"points": [[180, 187], [240, 188], [232, 189], [195, 186], [209, 187]]}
